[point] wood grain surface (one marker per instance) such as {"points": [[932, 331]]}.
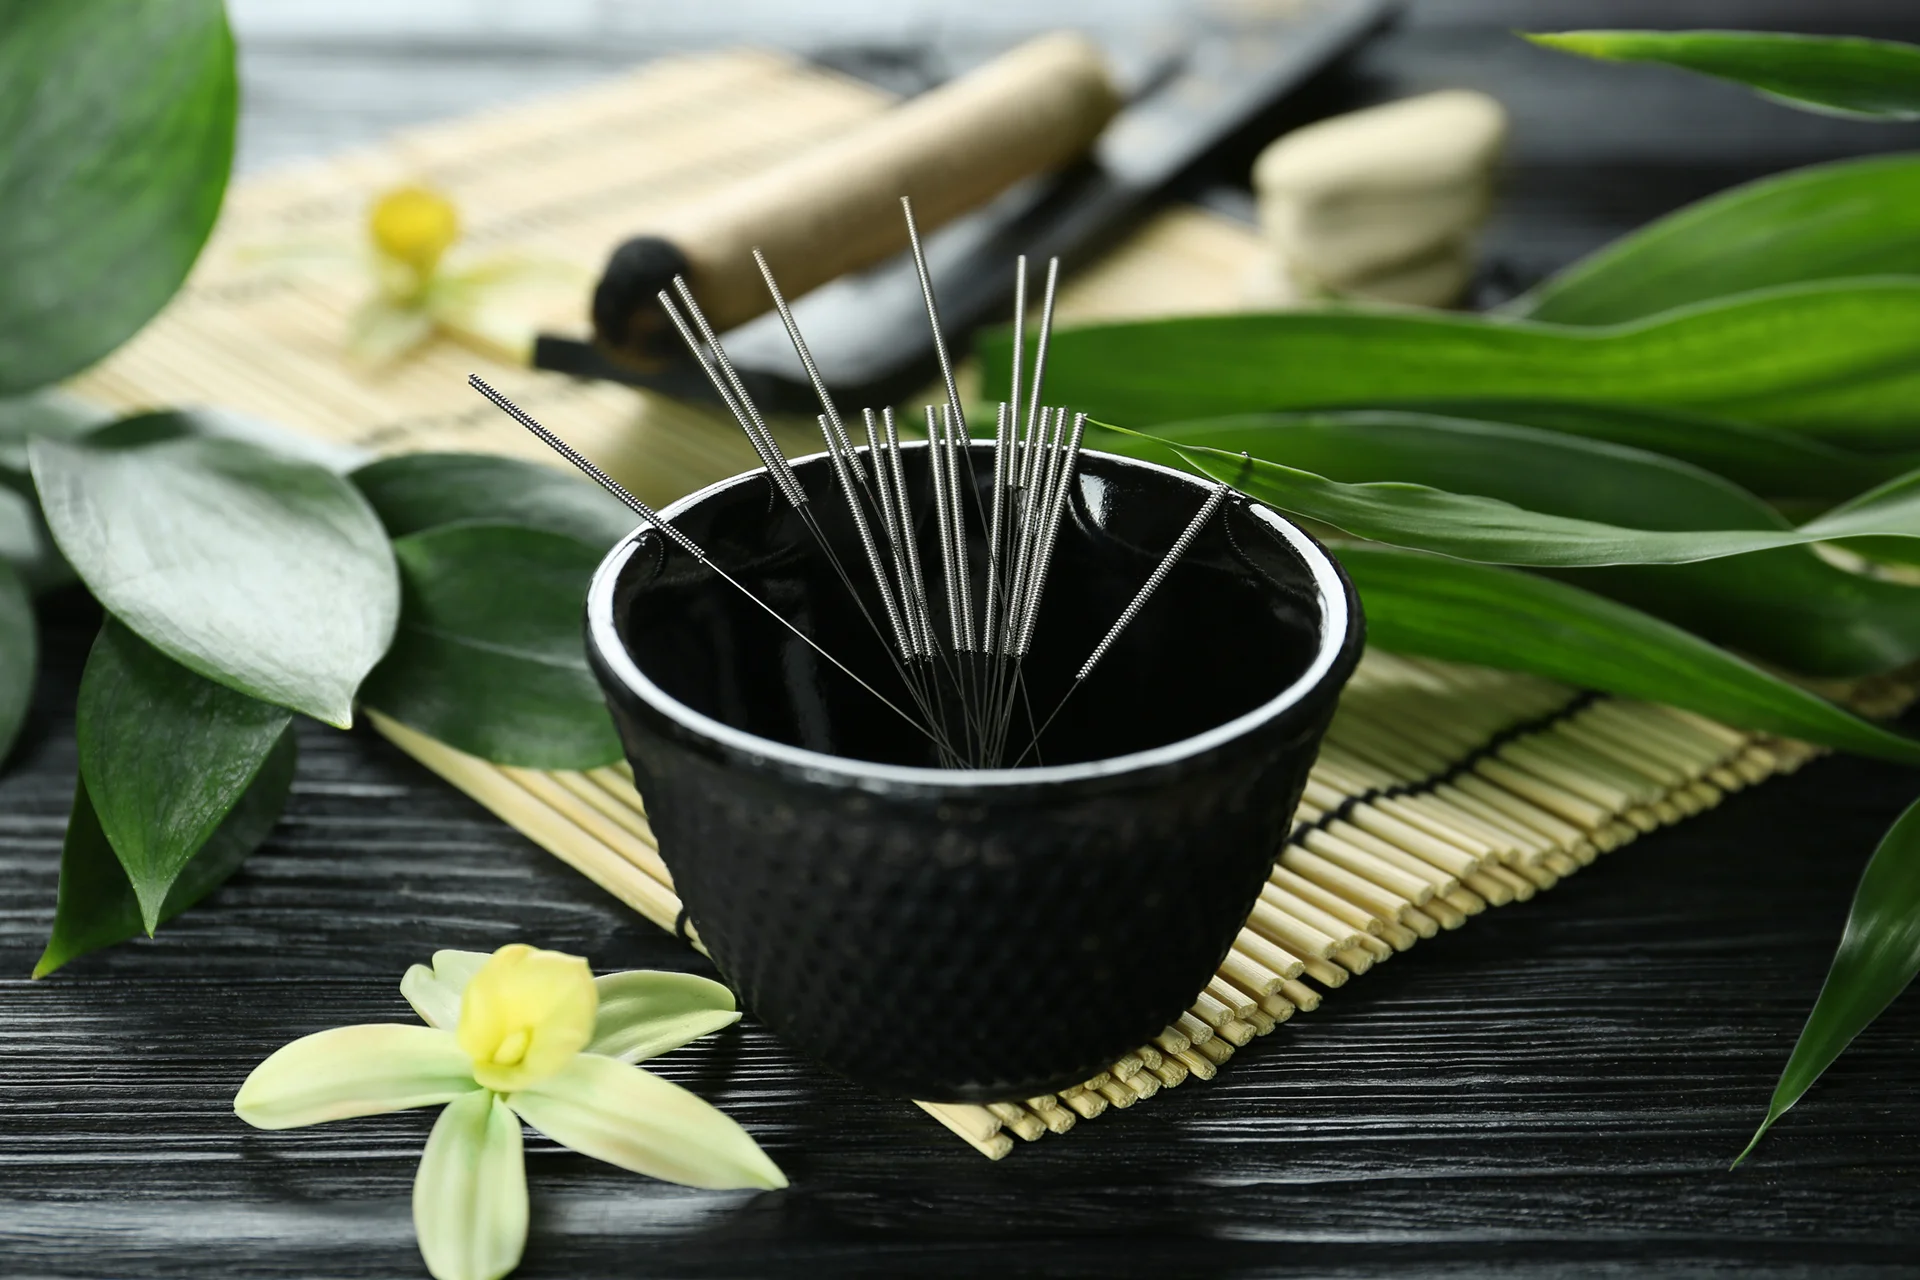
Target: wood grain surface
{"points": [[1554, 1090]]}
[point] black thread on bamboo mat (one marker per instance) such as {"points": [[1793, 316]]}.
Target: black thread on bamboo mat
{"points": [[1526, 728], [680, 927]]}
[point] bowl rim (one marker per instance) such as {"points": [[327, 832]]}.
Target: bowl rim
{"points": [[1337, 616]]}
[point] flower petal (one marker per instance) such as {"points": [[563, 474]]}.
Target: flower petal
{"points": [[437, 1003], [458, 967], [470, 1196], [435, 993], [354, 1071], [644, 1013], [630, 1117]]}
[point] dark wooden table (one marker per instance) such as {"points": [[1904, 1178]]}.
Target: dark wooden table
{"points": [[1556, 1089]]}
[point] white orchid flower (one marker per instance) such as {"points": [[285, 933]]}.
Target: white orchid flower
{"points": [[519, 1035], [410, 229]]}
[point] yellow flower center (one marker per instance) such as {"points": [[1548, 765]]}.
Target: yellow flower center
{"points": [[525, 1014], [414, 226]]}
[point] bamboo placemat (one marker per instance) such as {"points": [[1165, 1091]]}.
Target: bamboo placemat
{"points": [[1442, 790]]}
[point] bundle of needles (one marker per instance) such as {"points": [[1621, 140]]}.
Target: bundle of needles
{"points": [[964, 681]]}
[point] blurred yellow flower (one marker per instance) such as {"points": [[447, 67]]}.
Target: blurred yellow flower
{"points": [[525, 1014], [414, 226]]}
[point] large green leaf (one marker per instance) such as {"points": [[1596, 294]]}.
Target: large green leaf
{"points": [[1833, 75], [1834, 360], [166, 754], [119, 127], [1773, 463], [1790, 606], [418, 491], [1856, 520], [1491, 531], [265, 573], [1879, 954], [19, 657], [1853, 218], [97, 906], [490, 656], [1463, 612]]}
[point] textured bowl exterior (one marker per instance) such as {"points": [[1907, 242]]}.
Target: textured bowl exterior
{"points": [[948, 939]]}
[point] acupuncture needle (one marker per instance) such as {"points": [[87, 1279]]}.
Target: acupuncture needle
{"points": [[679, 539], [1139, 602]]}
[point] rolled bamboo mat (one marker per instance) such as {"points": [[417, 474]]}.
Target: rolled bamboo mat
{"points": [[1442, 791]]}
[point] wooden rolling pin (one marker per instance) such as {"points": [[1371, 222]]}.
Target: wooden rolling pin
{"points": [[836, 208]]}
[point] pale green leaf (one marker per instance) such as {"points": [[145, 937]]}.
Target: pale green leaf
{"points": [[269, 575], [119, 126], [1879, 954], [645, 1013], [630, 1117], [1834, 75], [1464, 612], [1832, 360], [490, 657], [1824, 222], [354, 1071], [470, 1195], [166, 754], [1861, 519], [19, 657], [96, 906]]}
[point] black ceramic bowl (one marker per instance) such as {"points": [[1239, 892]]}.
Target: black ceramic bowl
{"points": [[972, 934]]}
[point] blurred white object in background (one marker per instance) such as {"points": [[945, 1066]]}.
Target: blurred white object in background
{"points": [[1382, 203]]}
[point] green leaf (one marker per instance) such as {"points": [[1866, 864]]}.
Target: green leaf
{"points": [[120, 123], [1852, 218], [1491, 531], [630, 1117], [1772, 463], [644, 1013], [1862, 519], [470, 1194], [490, 657], [415, 492], [1833, 360], [267, 574], [97, 907], [1834, 75], [1550, 471], [19, 657], [166, 754], [1505, 618], [1790, 606], [1879, 954]]}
